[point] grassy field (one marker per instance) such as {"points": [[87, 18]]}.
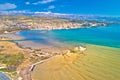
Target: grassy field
{"points": [[97, 63], [11, 56]]}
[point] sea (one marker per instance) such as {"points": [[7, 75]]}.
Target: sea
{"points": [[101, 35], [3, 76]]}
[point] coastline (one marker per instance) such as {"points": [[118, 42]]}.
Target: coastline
{"points": [[19, 40], [46, 48], [51, 53]]}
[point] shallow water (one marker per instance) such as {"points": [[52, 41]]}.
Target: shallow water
{"points": [[107, 36]]}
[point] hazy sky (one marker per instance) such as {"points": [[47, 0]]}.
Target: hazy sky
{"points": [[98, 7]]}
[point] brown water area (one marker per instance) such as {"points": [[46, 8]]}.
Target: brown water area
{"points": [[96, 63]]}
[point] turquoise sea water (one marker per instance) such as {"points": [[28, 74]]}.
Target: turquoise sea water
{"points": [[106, 36], [3, 76]]}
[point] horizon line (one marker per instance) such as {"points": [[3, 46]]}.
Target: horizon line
{"points": [[49, 12]]}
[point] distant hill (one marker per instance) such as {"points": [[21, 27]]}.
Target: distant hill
{"points": [[14, 23]]}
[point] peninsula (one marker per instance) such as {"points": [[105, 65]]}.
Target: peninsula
{"points": [[17, 23]]}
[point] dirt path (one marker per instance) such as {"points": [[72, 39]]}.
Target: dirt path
{"points": [[25, 73]]}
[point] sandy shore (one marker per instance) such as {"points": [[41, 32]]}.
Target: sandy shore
{"points": [[12, 36], [54, 46], [31, 49]]}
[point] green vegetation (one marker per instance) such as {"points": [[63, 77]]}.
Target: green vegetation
{"points": [[12, 73], [6, 70], [11, 60]]}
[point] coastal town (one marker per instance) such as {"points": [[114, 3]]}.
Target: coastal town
{"points": [[17, 23]]}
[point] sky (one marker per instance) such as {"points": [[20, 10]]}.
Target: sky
{"points": [[94, 7]]}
